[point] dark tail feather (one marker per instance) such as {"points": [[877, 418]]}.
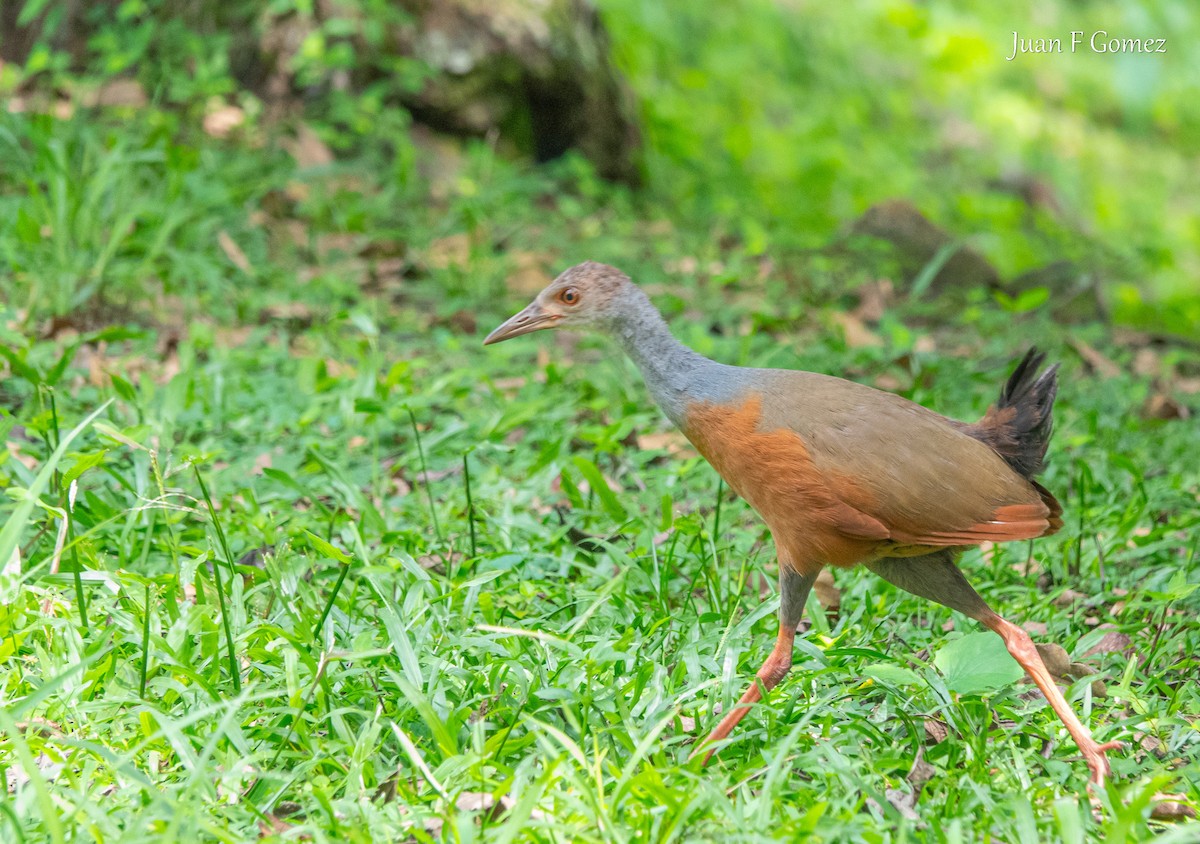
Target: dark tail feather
{"points": [[1018, 426]]}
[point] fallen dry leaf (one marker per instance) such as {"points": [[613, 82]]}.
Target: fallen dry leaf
{"points": [[888, 381], [17, 777], [827, 592], [1151, 744], [400, 487], [925, 344], [1078, 671], [511, 383], [290, 311], [921, 771], [14, 451], [1147, 363], [308, 149], [168, 368], [116, 92], [530, 274], [672, 442], [222, 120], [686, 265], [232, 338], [233, 252], [903, 802], [874, 299], [482, 801], [1164, 407], [1069, 597], [1096, 361], [463, 321], [1033, 191], [919, 241], [275, 825], [451, 251], [40, 727], [297, 191], [855, 331], [332, 244], [1113, 642], [936, 731], [1171, 807]]}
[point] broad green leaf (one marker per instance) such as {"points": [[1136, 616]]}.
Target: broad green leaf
{"points": [[368, 405], [977, 662], [124, 389], [82, 463], [895, 674]]}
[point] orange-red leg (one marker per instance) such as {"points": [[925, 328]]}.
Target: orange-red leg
{"points": [[1023, 651], [937, 578], [793, 592], [774, 669]]}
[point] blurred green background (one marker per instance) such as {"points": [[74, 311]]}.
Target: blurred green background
{"points": [[778, 124], [798, 116]]}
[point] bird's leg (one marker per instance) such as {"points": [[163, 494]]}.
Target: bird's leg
{"points": [[937, 578], [793, 592], [1023, 650]]}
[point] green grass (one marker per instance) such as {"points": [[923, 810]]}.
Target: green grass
{"points": [[336, 636], [858, 102], [322, 566]]}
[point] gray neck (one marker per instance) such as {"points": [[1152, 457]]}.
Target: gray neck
{"points": [[668, 366]]}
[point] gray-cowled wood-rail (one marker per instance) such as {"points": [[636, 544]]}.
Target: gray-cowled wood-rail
{"points": [[840, 472]]}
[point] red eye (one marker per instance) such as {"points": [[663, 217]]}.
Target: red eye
{"points": [[569, 296]]}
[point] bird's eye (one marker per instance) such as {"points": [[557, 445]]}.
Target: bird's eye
{"points": [[569, 296]]}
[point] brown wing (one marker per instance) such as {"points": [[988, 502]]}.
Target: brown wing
{"points": [[902, 466]]}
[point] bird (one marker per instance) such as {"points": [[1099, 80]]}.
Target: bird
{"points": [[842, 474]]}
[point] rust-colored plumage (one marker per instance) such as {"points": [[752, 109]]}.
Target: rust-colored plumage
{"points": [[842, 473], [832, 517], [813, 526]]}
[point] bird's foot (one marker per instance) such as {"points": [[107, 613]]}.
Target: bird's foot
{"points": [[1098, 762]]}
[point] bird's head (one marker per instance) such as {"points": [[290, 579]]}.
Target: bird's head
{"points": [[587, 296]]}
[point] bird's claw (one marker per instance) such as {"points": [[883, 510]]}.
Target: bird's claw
{"points": [[1098, 762]]}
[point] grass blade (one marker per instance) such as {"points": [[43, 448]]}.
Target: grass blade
{"points": [[212, 512], [437, 529], [10, 535]]}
